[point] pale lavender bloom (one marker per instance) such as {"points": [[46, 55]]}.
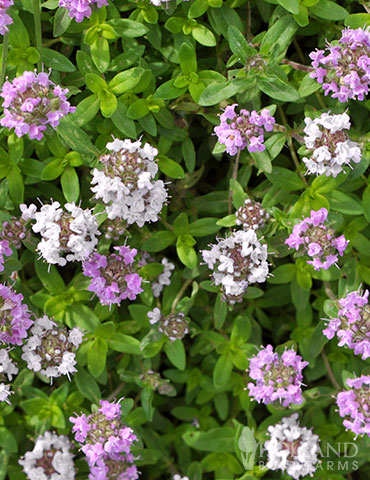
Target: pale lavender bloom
{"points": [[5, 19], [24, 94], [344, 71], [5, 250], [352, 326], [80, 9], [7, 369], [14, 317], [318, 240], [277, 378], [237, 132], [109, 452], [354, 405], [113, 277]]}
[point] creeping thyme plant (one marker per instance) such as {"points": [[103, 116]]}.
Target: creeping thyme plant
{"points": [[184, 239]]}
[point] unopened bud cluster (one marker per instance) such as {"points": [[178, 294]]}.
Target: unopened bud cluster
{"points": [[174, 326], [14, 231], [251, 215]]}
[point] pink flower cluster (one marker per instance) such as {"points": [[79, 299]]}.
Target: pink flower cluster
{"points": [[80, 9], [5, 250], [113, 277], [31, 102], [14, 317], [5, 19], [243, 130], [277, 378], [345, 71], [106, 443], [318, 240], [352, 325], [354, 405]]}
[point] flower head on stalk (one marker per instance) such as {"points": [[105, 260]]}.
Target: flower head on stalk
{"points": [[251, 215], [51, 348], [50, 459], [354, 405], [5, 19], [330, 145], [318, 240], [243, 130], [7, 370], [174, 326], [80, 9], [343, 68], [113, 277], [278, 378], [352, 325], [237, 261], [32, 102], [126, 183], [14, 317], [292, 448]]}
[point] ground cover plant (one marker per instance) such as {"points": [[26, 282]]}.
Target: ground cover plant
{"points": [[184, 239]]}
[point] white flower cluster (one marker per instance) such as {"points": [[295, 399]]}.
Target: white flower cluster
{"points": [[72, 232], [7, 369], [50, 459], [51, 348], [126, 184], [163, 278], [237, 261], [330, 145], [292, 448]]}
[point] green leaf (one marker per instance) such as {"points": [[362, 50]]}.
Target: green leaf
{"points": [[15, 185], [138, 109], [126, 81], [100, 54], [228, 221], [169, 167], [7, 441], [187, 58], [181, 224], [216, 92], [357, 20], [188, 153], [125, 344], [285, 179], [219, 439], [56, 61], [366, 202], [175, 352], [329, 10], [263, 161], [61, 22], [291, 5], [96, 356], [128, 28], [108, 103], [197, 8], [186, 253], [316, 342], [86, 110], [343, 203], [222, 371], [277, 88], [76, 138], [238, 44], [52, 170], [168, 91], [159, 241], [49, 277], [121, 121], [203, 227], [86, 385], [70, 184], [278, 38], [282, 274], [220, 311], [238, 193], [308, 86], [203, 36]]}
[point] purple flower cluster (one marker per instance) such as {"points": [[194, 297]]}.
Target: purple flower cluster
{"points": [[31, 102], [106, 443], [243, 130], [277, 378], [14, 231], [5, 19], [345, 71], [5, 250], [352, 325], [318, 240], [354, 405], [80, 9], [113, 277], [14, 317]]}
